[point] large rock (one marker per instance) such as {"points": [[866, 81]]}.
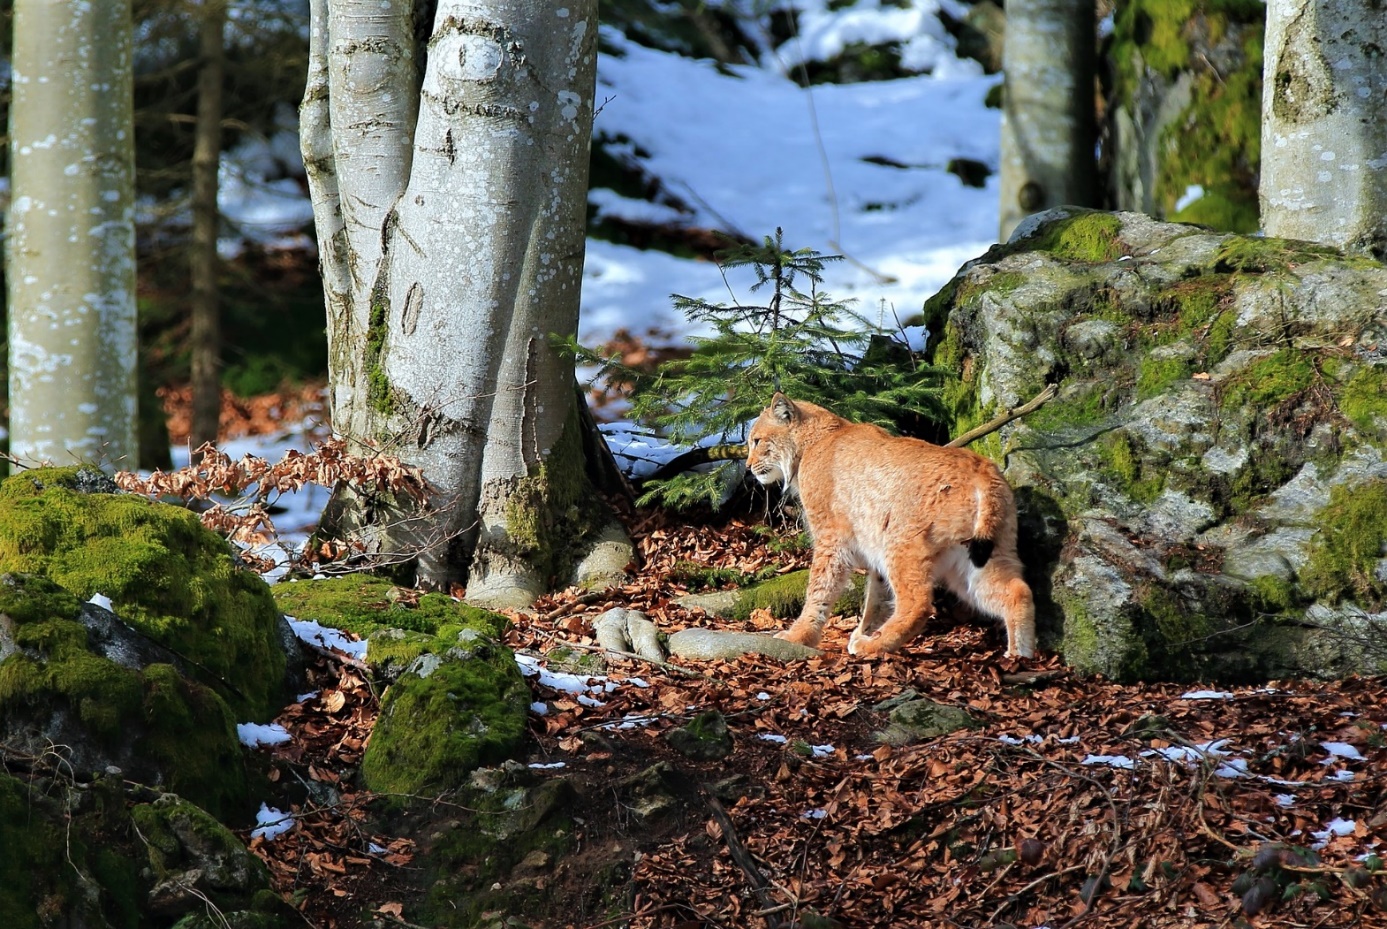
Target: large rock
{"points": [[456, 698], [84, 688], [85, 856], [1207, 495], [165, 574]]}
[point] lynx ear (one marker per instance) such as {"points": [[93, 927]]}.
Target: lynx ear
{"points": [[782, 409]]}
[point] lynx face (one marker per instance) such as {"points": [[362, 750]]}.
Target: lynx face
{"points": [[772, 449]]}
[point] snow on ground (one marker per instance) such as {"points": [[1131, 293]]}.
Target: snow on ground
{"points": [[751, 151]]}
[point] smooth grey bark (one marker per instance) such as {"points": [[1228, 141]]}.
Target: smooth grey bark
{"points": [[1048, 121], [70, 252], [203, 262], [451, 220], [1324, 135]]}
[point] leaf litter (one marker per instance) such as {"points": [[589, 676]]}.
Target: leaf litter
{"points": [[1013, 823]]}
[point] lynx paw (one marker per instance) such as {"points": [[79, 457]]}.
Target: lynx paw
{"points": [[864, 646], [802, 634]]}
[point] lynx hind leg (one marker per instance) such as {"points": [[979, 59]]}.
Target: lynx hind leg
{"points": [[911, 579], [876, 596], [828, 575], [1001, 591]]}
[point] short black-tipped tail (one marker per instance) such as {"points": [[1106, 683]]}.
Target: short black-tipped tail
{"points": [[979, 551]]}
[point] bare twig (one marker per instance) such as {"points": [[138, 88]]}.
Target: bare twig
{"points": [[987, 428]]}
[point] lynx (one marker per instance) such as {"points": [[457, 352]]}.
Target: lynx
{"points": [[911, 513]]}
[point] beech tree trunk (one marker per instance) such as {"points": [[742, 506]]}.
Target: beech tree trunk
{"points": [[450, 202], [1324, 136], [203, 261], [70, 253], [1048, 119]]}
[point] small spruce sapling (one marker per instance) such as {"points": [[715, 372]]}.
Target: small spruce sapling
{"points": [[799, 341]]}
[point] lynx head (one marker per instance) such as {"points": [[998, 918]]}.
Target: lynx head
{"points": [[773, 443]]}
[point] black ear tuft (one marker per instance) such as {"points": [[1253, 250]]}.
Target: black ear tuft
{"points": [[979, 551], [783, 409]]}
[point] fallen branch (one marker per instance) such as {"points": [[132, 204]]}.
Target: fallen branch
{"points": [[741, 856], [987, 428]]}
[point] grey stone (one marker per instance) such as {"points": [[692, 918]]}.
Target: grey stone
{"points": [[919, 720], [704, 738], [629, 631], [1170, 527]]}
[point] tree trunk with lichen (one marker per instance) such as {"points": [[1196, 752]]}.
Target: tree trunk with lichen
{"points": [[449, 182], [70, 251], [1324, 140], [1047, 108]]}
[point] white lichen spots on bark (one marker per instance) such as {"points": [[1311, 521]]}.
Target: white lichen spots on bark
{"points": [[70, 250], [1324, 144]]}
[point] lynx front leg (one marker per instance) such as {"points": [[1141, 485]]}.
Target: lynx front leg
{"points": [[912, 582], [828, 573], [875, 599]]}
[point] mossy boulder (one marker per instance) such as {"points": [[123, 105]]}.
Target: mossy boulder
{"points": [[164, 572], [511, 827], [76, 682], [88, 857], [457, 698], [1204, 497]]}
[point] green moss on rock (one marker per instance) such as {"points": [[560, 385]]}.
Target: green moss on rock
{"points": [[154, 718], [1363, 399], [784, 597], [362, 604], [1089, 236], [165, 574], [458, 699], [1271, 381], [1347, 555], [472, 860]]}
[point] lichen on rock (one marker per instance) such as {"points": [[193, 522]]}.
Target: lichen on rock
{"points": [[1185, 499]]}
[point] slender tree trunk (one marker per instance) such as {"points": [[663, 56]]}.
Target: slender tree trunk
{"points": [[71, 247], [1048, 120], [203, 260], [451, 222], [1324, 136]]}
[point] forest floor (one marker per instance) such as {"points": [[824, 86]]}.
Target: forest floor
{"points": [[1068, 801]]}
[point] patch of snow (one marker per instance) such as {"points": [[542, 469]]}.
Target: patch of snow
{"points": [[1112, 761], [326, 637], [772, 737], [549, 766], [1334, 828], [1192, 193], [273, 823], [1340, 750], [822, 751], [539, 709], [254, 735], [813, 814], [1207, 695], [102, 601]]}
